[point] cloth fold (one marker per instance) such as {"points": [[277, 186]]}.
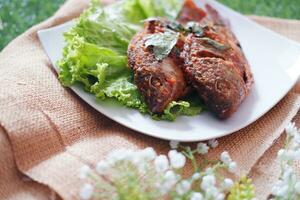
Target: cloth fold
{"points": [[52, 132]]}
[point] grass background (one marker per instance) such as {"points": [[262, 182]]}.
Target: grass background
{"points": [[18, 15]]}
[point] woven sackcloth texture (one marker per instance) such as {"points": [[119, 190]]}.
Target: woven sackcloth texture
{"points": [[47, 133], [267, 170]]}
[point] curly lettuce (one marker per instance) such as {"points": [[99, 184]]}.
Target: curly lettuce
{"points": [[95, 54]]}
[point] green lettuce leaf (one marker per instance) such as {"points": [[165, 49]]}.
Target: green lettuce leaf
{"points": [[102, 71], [177, 108], [95, 54], [136, 10]]}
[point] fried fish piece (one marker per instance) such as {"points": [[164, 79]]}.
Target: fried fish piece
{"points": [[216, 66], [159, 81]]}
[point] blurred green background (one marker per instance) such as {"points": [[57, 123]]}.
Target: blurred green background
{"points": [[18, 15]]}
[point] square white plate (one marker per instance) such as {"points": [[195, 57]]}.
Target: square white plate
{"points": [[274, 61]]}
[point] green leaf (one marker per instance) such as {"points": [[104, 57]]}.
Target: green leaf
{"points": [[194, 27], [177, 108], [162, 43], [190, 27], [214, 43]]}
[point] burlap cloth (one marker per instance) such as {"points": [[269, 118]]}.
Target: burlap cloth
{"points": [[47, 133]]}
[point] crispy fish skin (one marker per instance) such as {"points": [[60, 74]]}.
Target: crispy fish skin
{"points": [[160, 82], [191, 12], [216, 80], [235, 52], [220, 73]]}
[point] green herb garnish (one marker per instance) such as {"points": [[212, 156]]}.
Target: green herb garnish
{"points": [[214, 43], [162, 43], [196, 28], [176, 26], [190, 27]]}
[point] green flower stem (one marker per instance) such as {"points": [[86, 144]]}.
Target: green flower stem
{"points": [[218, 166], [190, 155]]}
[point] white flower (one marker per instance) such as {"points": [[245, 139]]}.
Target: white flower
{"points": [[86, 191], [297, 154], [183, 187], [202, 148], [196, 196], [297, 187], [280, 154], [177, 159], [161, 163], [232, 167], [142, 167], [209, 170], [174, 144], [288, 155], [118, 155], [84, 171], [170, 178], [227, 184], [280, 189], [136, 158], [225, 158], [102, 167], [148, 153], [196, 176], [296, 140], [172, 153], [163, 188], [208, 181], [288, 187], [213, 143], [291, 129], [211, 193], [220, 196], [288, 172]]}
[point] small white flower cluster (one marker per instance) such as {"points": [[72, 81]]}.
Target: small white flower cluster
{"points": [[158, 176], [87, 189], [231, 165], [142, 160], [288, 187], [208, 188], [202, 148], [208, 185], [168, 166], [139, 159]]}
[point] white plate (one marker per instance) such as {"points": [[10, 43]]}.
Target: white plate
{"points": [[274, 61]]}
